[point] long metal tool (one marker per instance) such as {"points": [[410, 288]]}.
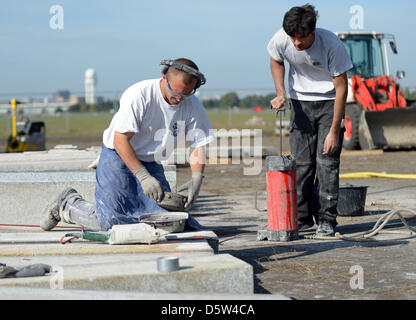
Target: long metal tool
{"points": [[282, 111], [282, 114]]}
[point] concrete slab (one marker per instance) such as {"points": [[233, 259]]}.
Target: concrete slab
{"points": [[65, 159], [19, 262], [24, 195], [221, 273], [219, 134], [91, 265], [61, 158], [84, 247], [244, 152]]}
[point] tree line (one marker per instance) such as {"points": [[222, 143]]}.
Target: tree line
{"points": [[409, 94], [230, 99]]}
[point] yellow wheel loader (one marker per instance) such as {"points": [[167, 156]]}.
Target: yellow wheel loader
{"points": [[26, 135], [377, 116]]}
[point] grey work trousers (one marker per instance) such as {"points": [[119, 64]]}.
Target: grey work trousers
{"points": [[317, 175], [79, 211]]}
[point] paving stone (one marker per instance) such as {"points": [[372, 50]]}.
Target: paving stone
{"points": [[220, 273]]}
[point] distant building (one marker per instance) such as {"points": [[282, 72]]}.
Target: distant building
{"points": [[61, 95], [90, 86], [26, 100], [76, 100]]}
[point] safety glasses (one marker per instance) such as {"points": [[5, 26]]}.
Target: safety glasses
{"points": [[177, 94]]}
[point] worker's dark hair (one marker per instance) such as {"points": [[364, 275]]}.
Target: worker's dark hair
{"points": [[300, 20]]}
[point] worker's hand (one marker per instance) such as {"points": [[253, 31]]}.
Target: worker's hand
{"points": [[151, 187], [193, 187], [278, 102], [331, 143]]}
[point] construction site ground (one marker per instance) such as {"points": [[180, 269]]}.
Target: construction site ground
{"points": [[308, 269], [318, 269]]}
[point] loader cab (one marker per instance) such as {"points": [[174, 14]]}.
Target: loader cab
{"points": [[366, 55], [368, 52]]}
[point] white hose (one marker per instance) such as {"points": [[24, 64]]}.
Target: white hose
{"points": [[379, 225]]}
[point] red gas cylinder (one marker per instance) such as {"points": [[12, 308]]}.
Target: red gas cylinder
{"points": [[282, 210]]}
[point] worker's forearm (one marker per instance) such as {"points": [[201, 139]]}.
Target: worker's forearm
{"points": [[339, 110], [126, 153], [197, 159], [278, 74], [341, 88]]}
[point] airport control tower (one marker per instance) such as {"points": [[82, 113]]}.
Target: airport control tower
{"points": [[90, 86]]}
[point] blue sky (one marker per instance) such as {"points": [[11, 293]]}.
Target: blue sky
{"points": [[124, 41]]}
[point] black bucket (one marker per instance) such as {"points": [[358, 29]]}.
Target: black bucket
{"points": [[351, 200]]}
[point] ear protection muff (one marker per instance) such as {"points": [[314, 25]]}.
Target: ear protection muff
{"points": [[165, 64]]}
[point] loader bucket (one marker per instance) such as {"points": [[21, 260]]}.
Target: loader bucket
{"points": [[389, 129]]}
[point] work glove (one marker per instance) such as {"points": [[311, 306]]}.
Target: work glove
{"points": [[151, 187], [193, 187]]}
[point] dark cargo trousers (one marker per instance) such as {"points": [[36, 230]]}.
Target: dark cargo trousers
{"points": [[317, 175]]}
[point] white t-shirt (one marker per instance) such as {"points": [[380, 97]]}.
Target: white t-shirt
{"points": [[311, 70], [158, 126]]}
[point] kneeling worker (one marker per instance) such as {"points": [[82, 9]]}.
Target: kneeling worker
{"points": [[130, 179]]}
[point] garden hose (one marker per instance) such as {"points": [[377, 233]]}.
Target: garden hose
{"points": [[377, 229], [377, 175]]}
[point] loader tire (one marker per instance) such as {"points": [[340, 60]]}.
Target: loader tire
{"points": [[351, 123]]}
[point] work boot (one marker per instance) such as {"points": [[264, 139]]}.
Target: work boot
{"points": [[325, 229], [51, 214]]}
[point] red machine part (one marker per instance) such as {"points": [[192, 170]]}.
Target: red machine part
{"points": [[366, 92], [348, 127], [282, 210]]}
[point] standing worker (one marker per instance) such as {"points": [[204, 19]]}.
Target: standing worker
{"points": [[153, 116], [318, 88]]}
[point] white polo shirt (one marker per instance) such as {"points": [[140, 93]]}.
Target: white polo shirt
{"points": [[311, 70]]}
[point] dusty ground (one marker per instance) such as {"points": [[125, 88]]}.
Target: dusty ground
{"points": [[312, 269]]}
